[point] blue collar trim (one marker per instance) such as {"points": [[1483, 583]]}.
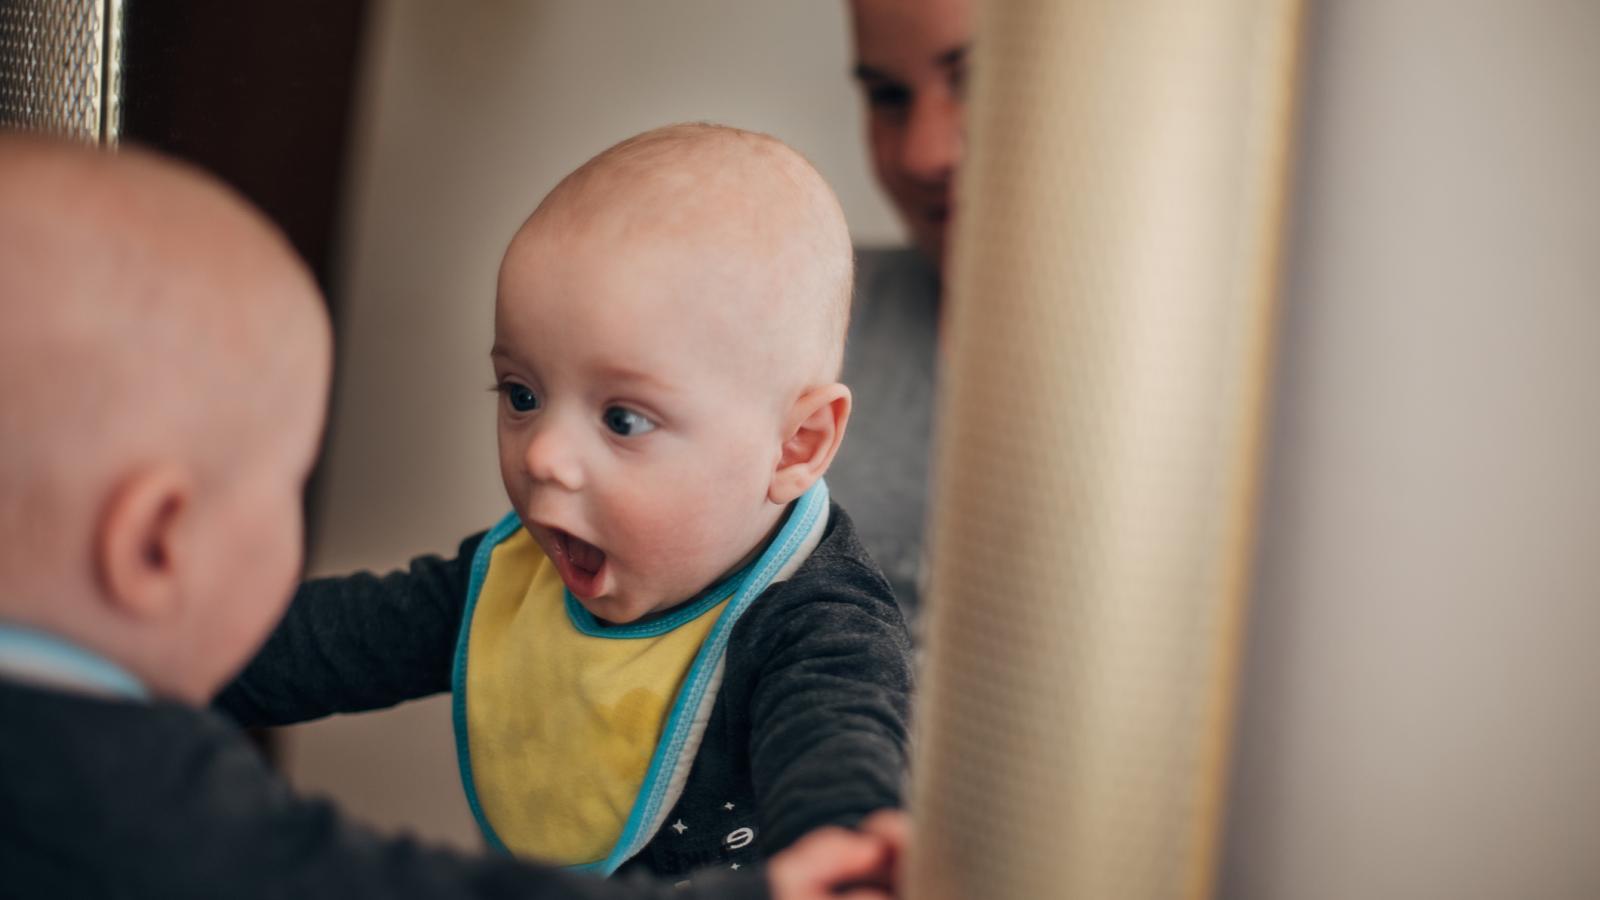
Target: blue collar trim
{"points": [[38, 656]]}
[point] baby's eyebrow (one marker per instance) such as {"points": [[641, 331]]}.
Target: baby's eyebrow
{"points": [[623, 373]]}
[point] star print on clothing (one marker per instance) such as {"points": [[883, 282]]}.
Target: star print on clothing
{"points": [[728, 807], [679, 827], [734, 867]]}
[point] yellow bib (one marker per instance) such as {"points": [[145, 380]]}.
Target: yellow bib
{"points": [[576, 739], [562, 724]]}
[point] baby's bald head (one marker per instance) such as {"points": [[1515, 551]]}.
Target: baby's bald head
{"points": [[152, 322], [736, 204]]}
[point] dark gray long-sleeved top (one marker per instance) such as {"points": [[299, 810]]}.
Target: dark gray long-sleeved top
{"points": [[129, 800], [808, 729]]}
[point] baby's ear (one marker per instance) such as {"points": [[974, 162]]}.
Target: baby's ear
{"points": [[137, 552], [814, 429]]}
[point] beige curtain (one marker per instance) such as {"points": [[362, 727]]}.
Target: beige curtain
{"points": [[1109, 325]]}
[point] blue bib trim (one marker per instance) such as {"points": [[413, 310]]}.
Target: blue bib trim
{"points": [[585, 622], [53, 659], [503, 529], [675, 752]]}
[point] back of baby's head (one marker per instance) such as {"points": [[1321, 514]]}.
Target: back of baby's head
{"points": [[147, 317], [726, 197]]}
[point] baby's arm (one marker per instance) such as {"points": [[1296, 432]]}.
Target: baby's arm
{"points": [[356, 643], [830, 706]]}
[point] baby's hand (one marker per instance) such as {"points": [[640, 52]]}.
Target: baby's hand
{"points": [[893, 827], [835, 862]]}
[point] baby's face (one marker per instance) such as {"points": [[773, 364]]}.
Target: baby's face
{"points": [[638, 429]]}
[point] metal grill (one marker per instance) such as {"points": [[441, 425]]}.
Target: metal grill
{"points": [[60, 67]]}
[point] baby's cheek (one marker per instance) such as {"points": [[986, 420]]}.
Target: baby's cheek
{"points": [[512, 475], [670, 522], [693, 516], [664, 522]]}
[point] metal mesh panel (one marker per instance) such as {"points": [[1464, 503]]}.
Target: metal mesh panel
{"points": [[57, 59], [1110, 313]]}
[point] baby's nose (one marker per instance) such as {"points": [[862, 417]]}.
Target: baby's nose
{"points": [[551, 457]]}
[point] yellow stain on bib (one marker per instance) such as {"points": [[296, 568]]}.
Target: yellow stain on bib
{"points": [[562, 725]]}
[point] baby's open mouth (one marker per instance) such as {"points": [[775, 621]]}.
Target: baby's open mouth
{"points": [[579, 563]]}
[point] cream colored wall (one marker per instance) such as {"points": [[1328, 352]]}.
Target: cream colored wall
{"points": [[469, 112], [1419, 712]]}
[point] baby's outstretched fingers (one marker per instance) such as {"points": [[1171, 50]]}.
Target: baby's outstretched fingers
{"points": [[893, 826], [830, 863]]}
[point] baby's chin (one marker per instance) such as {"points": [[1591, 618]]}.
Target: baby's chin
{"points": [[611, 610]]}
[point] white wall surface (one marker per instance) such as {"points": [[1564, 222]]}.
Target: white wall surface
{"points": [[1421, 717], [468, 114]]}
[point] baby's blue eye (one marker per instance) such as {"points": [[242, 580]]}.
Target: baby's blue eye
{"points": [[626, 422], [521, 397]]}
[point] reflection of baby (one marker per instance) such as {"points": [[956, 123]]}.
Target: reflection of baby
{"points": [[674, 652], [163, 363]]}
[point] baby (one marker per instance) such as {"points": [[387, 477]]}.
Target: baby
{"points": [[164, 361], [674, 652]]}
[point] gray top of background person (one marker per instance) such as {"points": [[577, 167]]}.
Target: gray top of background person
{"points": [[910, 63], [882, 467]]}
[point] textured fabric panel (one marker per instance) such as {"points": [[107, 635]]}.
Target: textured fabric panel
{"points": [[1111, 301]]}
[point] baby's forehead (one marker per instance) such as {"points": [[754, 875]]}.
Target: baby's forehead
{"points": [[712, 260], [731, 231], [662, 315]]}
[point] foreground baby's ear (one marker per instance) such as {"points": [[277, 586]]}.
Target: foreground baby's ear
{"points": [[137, 553], [814, 429]]}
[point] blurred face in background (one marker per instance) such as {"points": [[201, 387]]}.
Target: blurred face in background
{"points": [[911, 63]]}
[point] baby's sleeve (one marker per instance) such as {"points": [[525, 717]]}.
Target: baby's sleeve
{"points": [[830, 707], [357, 642]]}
